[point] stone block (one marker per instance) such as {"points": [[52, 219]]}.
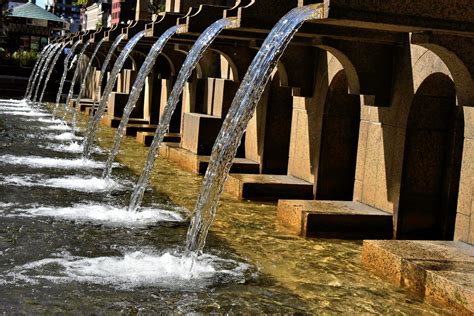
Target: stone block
{"points": [[133, 129], [197, 164], [334, 219], [200, 132], [440, 271], [263, 187], [116, 104], [224, 92], [146, 138]]}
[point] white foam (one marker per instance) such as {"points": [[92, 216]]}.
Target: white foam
{"points": [[15, 108], [29, 113], [59, 127], [105, 214], [64, 137], [45, 162], [89, 184], [169, 269], [72, 147], [51, 120]]}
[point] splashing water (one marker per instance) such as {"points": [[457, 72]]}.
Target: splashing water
{"points": [[168, 269], [94, 123], [35, 69], [194, 55], [103, 70], [84, 81], [46, 66], [50, 71], [135, 94], [235, 123], [38, 70], [63, 77]]}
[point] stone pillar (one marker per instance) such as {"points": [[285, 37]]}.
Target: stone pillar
{"points": [[464, 229]]}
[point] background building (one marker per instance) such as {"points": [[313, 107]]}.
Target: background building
{"points": [[123, 11], [96, 14], [28, 27], [66, 10]]}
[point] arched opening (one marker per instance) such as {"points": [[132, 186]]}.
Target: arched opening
{"points": [[431, 164], [276, 142], [162, 71], [339, 139]]}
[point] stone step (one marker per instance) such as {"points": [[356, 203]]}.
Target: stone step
{"points": [[334, 219], [146, 138], [133, 129], [440, 271], [198, 164], [111, 121], [268, 187]]}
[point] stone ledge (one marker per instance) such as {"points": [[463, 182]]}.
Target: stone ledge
{"points": [[198, 164], [440, 271], [114, 122], [133, 129], [334, 219], [265, 187], [146, 138]]}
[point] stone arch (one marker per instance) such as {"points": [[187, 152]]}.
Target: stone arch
{"points": [[339, 139], [234, 72], [432, 157], [349, 68], [458, 71]]}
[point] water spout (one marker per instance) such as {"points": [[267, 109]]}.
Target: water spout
{"points": [[38, 70], [50, 71], [135, 94], [194, 55], [103, 70], [63, 78], [35, 68], [84, 81], [94, 123], [46, 66], [73, 83], [235, 123]]}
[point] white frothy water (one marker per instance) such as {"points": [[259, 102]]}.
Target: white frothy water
{"points": [[51, 120], [27, 113], [169, 269], [16, 108], [65, 137], [59, 127], [89, 184], [72, 147], [106, 215], [45, 162]]}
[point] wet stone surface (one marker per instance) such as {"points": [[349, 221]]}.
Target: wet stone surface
{"points": [[68, 246]]}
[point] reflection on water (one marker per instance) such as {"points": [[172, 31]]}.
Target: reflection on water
{"points": [[60, 251]]}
